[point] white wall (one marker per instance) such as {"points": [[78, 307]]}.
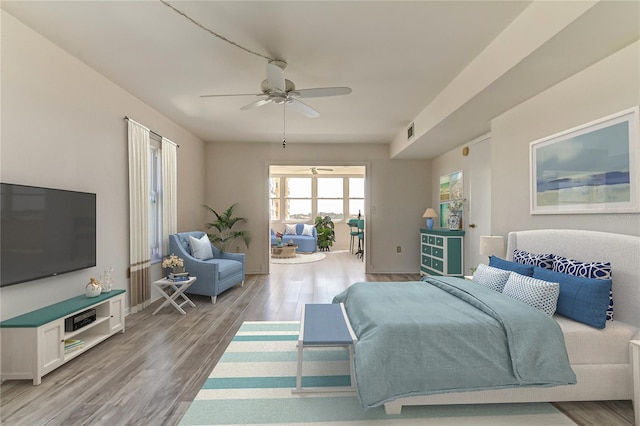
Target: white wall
{"points": [[397, 194], [606, 87], [63, 127]]}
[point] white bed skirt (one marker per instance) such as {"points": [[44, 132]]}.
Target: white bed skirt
{"points": [[595, 383]]}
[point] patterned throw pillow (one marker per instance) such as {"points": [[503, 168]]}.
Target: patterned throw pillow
{"points": [[308, 230], [542, 260], [597, 270], [539, 294], [491, 277], [290, 229]]}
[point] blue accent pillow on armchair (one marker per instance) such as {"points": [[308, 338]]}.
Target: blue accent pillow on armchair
{"points": [[496, 262], [582, 299]]}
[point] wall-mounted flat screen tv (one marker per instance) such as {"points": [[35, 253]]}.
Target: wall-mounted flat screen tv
{"points": [[45, 232]]}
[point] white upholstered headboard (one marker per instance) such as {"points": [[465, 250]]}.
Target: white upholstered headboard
{"points": [[623, 251]]}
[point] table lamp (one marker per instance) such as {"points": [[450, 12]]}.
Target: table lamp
{"points": [[430, 214], [491, 245]]}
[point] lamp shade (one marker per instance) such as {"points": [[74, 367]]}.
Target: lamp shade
{"points": [[492, 246], [430, 213]]}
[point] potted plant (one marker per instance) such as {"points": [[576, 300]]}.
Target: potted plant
{"points": [[326, 233], [223, 224]]}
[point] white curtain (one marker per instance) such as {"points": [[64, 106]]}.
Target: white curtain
{"points": [[139, 245], [169, 192]]}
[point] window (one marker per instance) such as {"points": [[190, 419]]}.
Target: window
{"points": [[155, 200], [330, 200], [298, 199], [356, 197], [302, 199], [274, 198]]}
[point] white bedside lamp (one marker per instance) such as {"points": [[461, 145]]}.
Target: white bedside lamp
{"points": [[491, 245], [430, 214]]}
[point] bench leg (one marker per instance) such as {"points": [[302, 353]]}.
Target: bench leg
{"points": [[299, 373]]}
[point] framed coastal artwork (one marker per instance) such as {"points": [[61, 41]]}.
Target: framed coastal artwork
{"points": [[451, 186], [592, 168]]}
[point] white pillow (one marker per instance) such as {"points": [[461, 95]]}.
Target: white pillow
{"points": [[491, 277], [290, 229], [542, 295], [308, 230], [201, 248]]}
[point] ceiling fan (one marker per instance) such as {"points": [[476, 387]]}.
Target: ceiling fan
{"points": [[277, 89], [314, 170]]}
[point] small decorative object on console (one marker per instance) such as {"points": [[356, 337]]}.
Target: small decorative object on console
{"points": [[106, 280], [93, 289]]}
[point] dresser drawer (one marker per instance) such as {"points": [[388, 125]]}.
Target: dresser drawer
{"points": [[426, 261], [432, 239], [437, 252], [425, 239], [426, 249], [439, 241], [437, 264]]}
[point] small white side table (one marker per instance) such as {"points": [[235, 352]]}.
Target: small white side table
{"points": [[178, 287]]}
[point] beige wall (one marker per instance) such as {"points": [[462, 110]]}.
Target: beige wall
{"points": [[397, 194], [63, 127], [606, 87]]}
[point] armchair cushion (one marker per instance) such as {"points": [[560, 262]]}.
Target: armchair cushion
{"points": [[201, 247]]}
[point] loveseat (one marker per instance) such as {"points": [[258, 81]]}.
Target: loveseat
{"points": [[306, 243], [215, 275]]}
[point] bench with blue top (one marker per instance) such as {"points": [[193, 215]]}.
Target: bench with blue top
{"points": [[324, 325]]}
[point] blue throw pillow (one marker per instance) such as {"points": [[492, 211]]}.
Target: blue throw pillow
{"points": [[496, 262], [599, 270], [582, 299]]}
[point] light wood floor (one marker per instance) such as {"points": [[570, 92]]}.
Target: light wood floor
{"points": [[151, 373]]}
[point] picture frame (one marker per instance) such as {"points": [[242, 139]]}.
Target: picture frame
{"points": [[445, 213], [591, 168], [451, 186]]}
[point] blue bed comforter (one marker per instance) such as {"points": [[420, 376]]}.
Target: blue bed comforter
{"points": [[449, 335]]}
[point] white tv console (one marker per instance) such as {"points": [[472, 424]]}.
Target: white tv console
{"points": [[33, 344]]}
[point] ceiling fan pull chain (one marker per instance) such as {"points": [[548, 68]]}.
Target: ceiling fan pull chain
{"points": [[284, 125]]}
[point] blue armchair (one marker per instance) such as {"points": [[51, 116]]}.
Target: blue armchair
{"points": [[214, 275]]}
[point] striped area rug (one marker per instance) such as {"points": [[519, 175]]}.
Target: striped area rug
{"points": [[252, 384]]}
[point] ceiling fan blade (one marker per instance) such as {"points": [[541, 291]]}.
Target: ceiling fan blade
{"points": [[240, 94], [303, 108], [275, 75], [256, 104], [321, 91]]}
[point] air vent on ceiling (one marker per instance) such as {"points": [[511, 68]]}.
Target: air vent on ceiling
{"points": [[410, 132]]}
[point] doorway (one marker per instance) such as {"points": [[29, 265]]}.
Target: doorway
{"points": [[298, 193]]}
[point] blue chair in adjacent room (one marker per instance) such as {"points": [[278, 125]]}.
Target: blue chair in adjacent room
{"points": [[353, 233], [360, 252]]}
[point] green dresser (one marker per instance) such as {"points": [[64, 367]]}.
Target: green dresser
{"points": [[441, 252]]}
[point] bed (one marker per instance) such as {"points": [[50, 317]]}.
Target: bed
{"points": [[600, 358]]}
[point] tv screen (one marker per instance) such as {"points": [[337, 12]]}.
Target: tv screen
{"points": [[45, 232]]}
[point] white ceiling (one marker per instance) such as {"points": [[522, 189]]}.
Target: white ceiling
{"points": [[395, 55]]}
